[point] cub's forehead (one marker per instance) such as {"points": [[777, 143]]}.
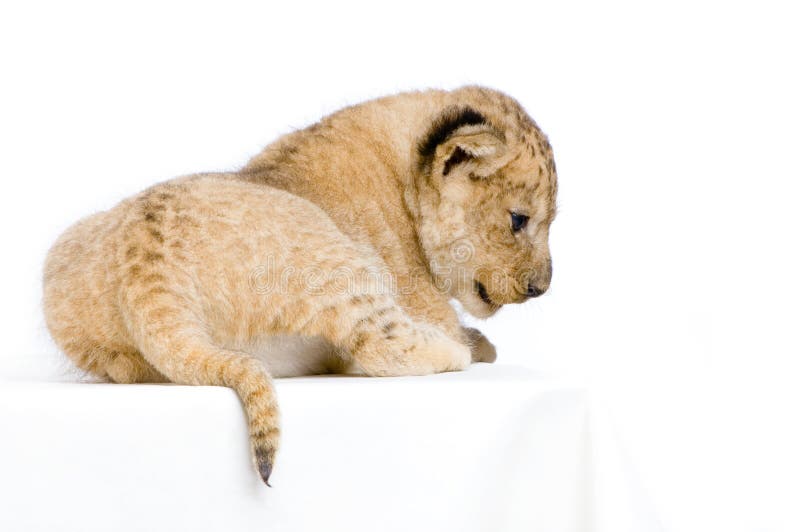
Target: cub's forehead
{"points": [[529, 180]]}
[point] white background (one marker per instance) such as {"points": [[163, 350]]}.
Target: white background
{"points": [[675, 129]]}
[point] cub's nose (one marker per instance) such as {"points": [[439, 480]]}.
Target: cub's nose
{"points": [[534, 291]]}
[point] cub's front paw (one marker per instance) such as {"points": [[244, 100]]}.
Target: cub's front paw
{"points": [[444, 353], [482, 349], [412, 349]]}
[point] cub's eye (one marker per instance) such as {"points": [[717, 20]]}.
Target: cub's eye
{"points": [[518, 221]]}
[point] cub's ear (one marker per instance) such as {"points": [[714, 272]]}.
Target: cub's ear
{"points": [[461, 140], [476, 149]]}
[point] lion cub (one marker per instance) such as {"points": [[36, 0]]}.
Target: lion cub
{"points": [[336, 249]]}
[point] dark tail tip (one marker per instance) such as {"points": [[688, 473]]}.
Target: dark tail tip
{"points": [[264, 461]]}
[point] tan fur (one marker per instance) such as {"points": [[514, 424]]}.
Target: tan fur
{"points": [[336, 249]]}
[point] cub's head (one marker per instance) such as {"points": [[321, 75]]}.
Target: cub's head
{"points": [[486, 188]]}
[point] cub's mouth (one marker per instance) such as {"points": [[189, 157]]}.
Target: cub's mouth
{"points": [[478, 302], [484, 295]]}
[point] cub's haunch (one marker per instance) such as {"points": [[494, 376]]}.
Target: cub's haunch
{"points": [[336, 249]]}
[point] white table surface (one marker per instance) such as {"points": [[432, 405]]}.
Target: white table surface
{"points": [[495, 448]]}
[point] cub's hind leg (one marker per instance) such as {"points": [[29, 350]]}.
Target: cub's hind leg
{"points": [[129, 368]]}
